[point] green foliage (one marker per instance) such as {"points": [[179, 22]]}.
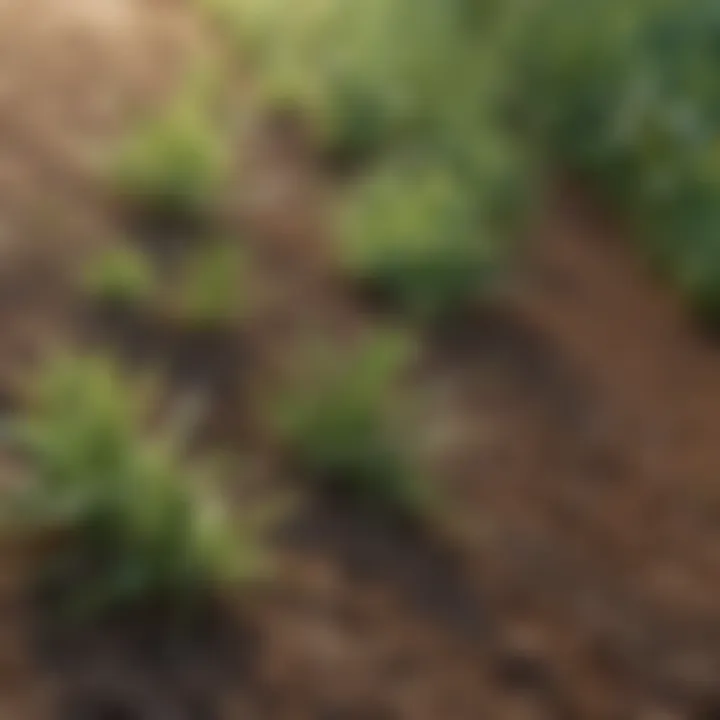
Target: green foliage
{"points": [[208, 290], [316, 57], [624, 90], [627, 92], [416, 234], [430, 232], [122, 275], [211, 288], [619, 75], [362, 89], [174, 164], [342, 425], [140, 523]]}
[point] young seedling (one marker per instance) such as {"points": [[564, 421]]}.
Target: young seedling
{"points": [[342, 424], [210, 291], [122, 276]]}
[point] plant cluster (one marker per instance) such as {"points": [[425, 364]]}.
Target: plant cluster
{"points": [[626, 93], [433, 106], [207, 290], [623, 91], [136, 521]]}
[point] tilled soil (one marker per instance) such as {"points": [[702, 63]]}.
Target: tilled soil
{"points": [[572, 426]]}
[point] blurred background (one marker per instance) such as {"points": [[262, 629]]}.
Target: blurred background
{"points": [[359, 360]]}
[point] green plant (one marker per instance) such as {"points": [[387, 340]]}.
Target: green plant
{"points": [[340, 62], [626, 93], [174, 164], [138, 523], [211, 288], [343, 424], [418, 235], [122, 275]]}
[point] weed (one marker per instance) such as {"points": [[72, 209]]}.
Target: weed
{"points": [[341, 423], [138, 523]]}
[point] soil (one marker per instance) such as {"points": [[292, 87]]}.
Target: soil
{"points": [[573, 427]]}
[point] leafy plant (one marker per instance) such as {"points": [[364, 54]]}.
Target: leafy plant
{"points": [[138, 523], [625, 92], [342, 423], [363, 91], [173, 164], [121, 275], [440, 95], [417, 234], [211, 290]]}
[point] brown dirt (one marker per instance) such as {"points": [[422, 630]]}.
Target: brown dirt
{"points": [[573, 428]]}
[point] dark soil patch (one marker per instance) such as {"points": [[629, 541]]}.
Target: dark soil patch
{"points": [[423, 569], [215, 365]]}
